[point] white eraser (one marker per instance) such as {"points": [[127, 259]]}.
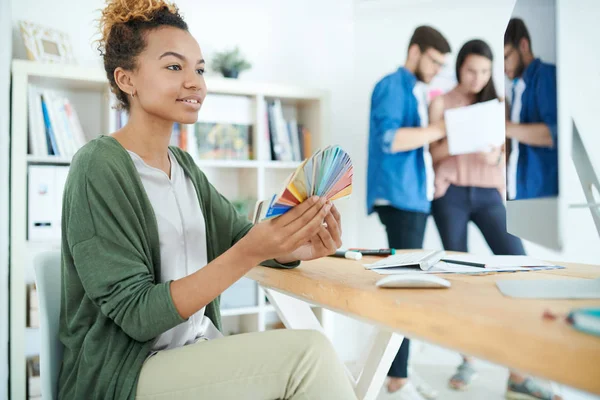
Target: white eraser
{"points": [[353, 255]]}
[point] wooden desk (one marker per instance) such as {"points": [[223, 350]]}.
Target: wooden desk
{"points": [[472, 317]]}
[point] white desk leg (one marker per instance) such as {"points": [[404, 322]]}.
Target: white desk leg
{"points": [[380, 358], [294, 313], [297, 314]]}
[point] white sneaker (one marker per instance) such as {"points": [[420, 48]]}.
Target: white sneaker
{"points": [[422, 386], [407, 392]]}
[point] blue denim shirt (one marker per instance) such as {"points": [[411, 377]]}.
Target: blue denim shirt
{"points": [[399, 178], [537, 168]]}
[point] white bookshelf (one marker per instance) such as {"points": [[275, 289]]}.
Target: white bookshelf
{"points": [[87, 89]]}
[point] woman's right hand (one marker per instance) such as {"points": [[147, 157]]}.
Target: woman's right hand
{"points": [[280, 236]]}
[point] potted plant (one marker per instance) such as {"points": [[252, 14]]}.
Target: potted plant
{"points": [[230, 63]]}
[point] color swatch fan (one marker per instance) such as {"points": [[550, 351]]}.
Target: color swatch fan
{"points": [[328, 173]]}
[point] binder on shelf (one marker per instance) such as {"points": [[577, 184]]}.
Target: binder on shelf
{"points": [[45, 188]]}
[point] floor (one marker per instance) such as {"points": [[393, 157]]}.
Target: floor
{"points": [[489, 385]]}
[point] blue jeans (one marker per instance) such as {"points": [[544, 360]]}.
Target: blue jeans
{"points": [[461, 204], [405, 230]]}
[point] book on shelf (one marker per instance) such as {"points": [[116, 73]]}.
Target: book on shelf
{"points": [[34, 383], [53, 124], [287, 139], [33, 314], [179, 136]]}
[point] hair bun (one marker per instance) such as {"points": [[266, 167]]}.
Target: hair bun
{"points": [[123, 11]]}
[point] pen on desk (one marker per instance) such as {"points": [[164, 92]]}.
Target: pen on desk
{"points": [[375, 252], [351, 255], [467, 263]]}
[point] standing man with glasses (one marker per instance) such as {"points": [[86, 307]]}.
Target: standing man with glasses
{"points": [[400, 173], [533, 160]]}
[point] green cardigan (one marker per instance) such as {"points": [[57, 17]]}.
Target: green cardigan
{"points": [[112, 307]]}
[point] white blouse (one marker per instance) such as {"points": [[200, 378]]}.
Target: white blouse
{"points": [[182, 235]]}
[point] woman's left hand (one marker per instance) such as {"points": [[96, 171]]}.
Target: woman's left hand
{"points": [[324, 243]]}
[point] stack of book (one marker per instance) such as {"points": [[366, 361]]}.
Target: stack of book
{"points": [[54, 127], [289, 140]]}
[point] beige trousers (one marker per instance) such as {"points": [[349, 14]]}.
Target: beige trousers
{"points": [[278, 364]]}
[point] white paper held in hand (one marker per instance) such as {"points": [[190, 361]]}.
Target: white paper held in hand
{"points": [[475, 128]]}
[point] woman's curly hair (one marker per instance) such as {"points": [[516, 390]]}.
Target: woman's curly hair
{"points": [[123, 26]]}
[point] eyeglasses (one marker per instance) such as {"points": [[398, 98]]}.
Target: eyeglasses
{"points": [[506, 55], [436, 62]]}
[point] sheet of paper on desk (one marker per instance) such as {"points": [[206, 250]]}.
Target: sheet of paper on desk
{"points": [[443, 268], [500, 261], [475, 128], [448, 268]]}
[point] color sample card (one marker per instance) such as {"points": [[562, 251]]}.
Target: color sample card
{"points": [[328, 173]]}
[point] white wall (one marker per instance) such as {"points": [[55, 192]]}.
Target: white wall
{"points": [[540, 18], [5, 57]]}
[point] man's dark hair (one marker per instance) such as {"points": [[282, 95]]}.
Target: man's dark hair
{"points": [[515, 31], [427, 37]]}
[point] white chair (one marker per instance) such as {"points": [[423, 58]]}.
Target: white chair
{"points": [[48, 282]]}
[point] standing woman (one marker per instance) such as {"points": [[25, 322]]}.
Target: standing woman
{"points": [[148, 245], [470, 187]]}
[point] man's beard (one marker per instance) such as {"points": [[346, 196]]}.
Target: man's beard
{"points": [[520, 67], [418, 72]]}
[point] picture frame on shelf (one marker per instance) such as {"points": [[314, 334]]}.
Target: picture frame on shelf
{"points": [[46, 44]]}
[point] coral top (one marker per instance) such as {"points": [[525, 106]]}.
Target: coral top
{"points": [[466, 169]]}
